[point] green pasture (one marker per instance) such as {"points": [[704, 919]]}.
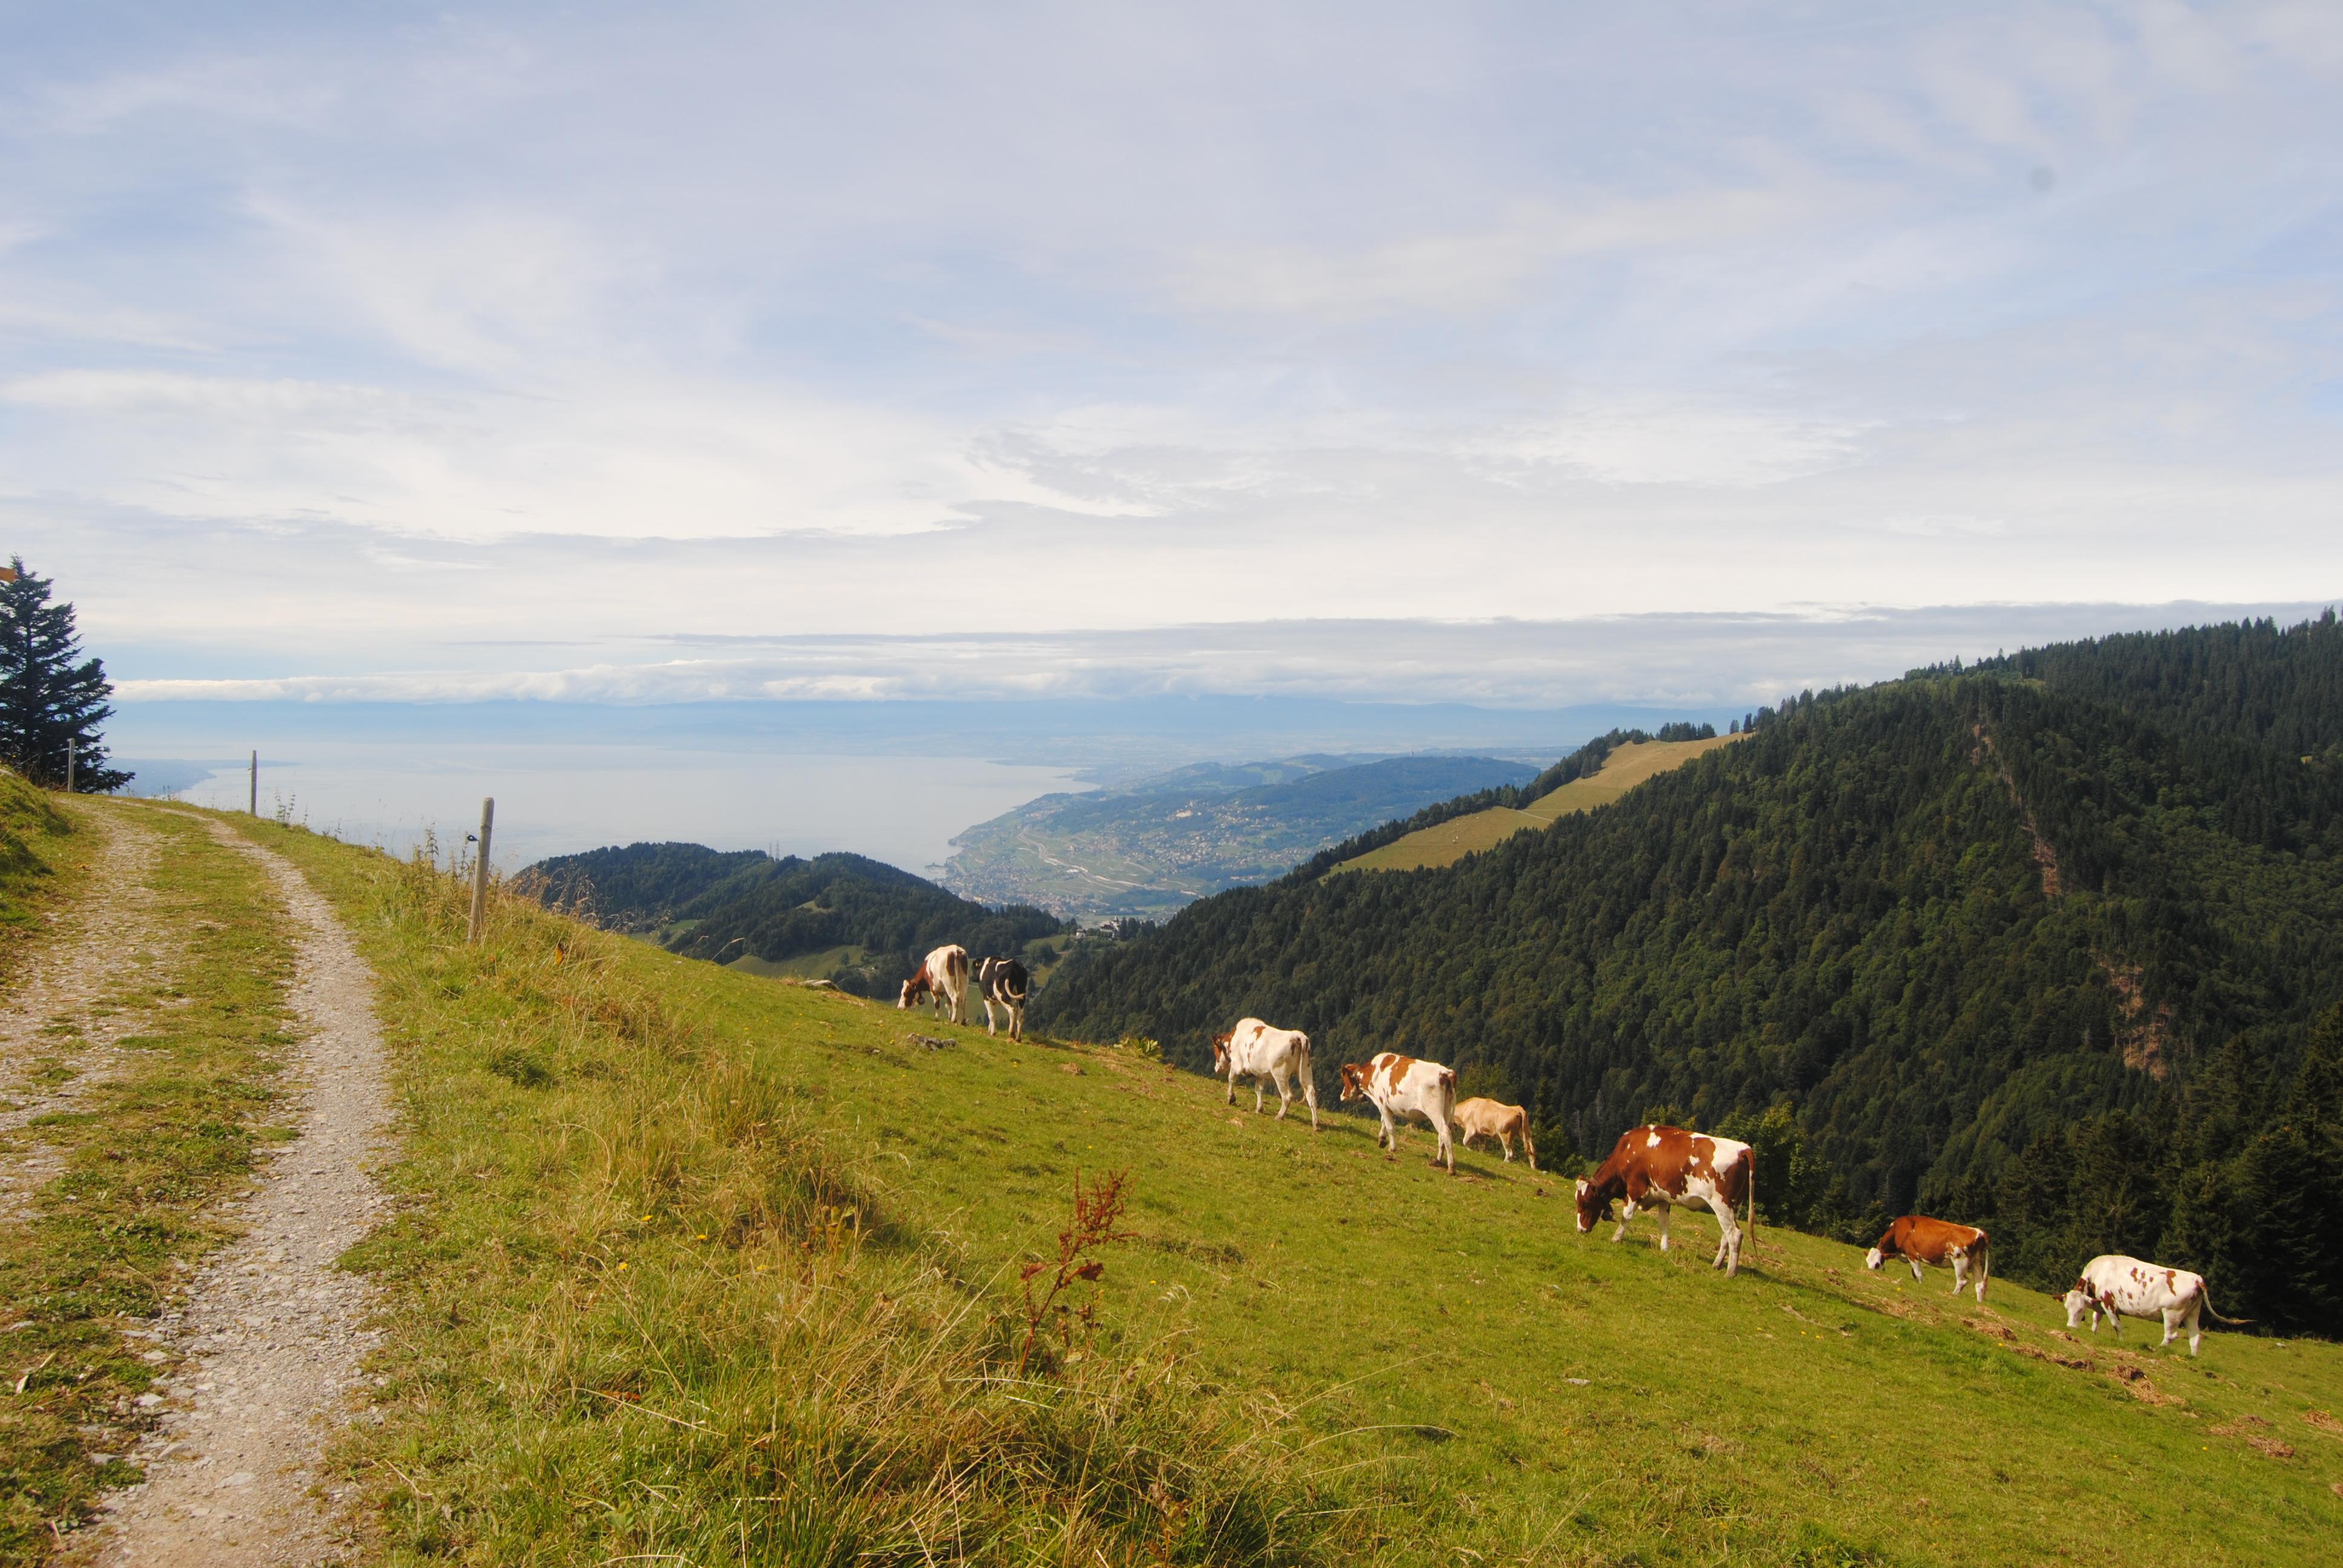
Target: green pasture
{"points": [[1537, 1394], [1443, 1369]]}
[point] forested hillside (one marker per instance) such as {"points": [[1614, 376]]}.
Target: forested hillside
{"points": [[634, 887], [858, 923], [2043, 944]]}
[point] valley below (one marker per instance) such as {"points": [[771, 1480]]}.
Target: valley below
{"points": [[1150, 848]]}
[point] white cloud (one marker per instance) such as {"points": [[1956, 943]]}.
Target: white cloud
{"points": [[352, 341], [626, 459], [1656, 443], [1477, 269]]}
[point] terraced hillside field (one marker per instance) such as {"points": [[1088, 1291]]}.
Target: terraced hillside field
{"points": [[613, 1338], [1449, 842]]}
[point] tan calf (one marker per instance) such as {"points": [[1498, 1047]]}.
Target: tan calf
{"points": [[1479, 1117]]}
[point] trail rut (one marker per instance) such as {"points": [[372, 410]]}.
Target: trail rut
{"points": [[274, 1334]]}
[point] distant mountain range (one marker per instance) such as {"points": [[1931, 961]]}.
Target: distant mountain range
{"points": [[862, 925], [1149, 848]]}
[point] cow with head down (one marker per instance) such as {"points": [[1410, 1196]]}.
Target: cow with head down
{"points": [[1479, 1117], [2117, 1287], [1655, 1167], [942, 982], [1917, 1239]]}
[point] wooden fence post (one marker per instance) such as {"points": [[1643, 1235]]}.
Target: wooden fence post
{"points": [[256, 783], [69, 767], [480, 871]]}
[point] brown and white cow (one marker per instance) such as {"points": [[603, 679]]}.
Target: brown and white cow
{"points": [[1253, 1049], [1402, 1086], [2122, 1287], [1655, 1167], [1478, 1118], [1918, 1240], [943, 981]]}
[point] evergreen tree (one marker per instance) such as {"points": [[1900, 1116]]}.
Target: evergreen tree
{"points": [[47, 699]]}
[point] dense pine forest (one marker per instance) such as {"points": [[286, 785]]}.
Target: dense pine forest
{"points": [[2052, 943], [868, 922], [633, 888]]}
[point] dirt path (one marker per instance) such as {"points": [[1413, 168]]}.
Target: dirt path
{"points": [[274, 1332], [69, 1003]]}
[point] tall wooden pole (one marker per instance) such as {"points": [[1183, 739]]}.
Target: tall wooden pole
{"points": [[69, 767], [480, 870], [256, 783]]}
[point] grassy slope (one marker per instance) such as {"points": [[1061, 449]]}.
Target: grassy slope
{"points": [[145, 1154], [1425, 1338], [1451, 841], [647, 1301], [37, 841]]}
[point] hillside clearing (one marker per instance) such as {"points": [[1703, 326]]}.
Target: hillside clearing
{"points": [[602, 1282], [1446, 843]]}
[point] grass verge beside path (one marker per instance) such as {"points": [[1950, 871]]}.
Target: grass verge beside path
{"points": [[40, 858], [145, 1154], [641, 1304], [709, 1267]]}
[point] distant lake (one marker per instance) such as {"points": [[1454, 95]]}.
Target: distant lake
{"points": [[552, 799]]}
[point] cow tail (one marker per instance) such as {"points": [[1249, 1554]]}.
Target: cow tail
{"points": [[2204, 1298], [1752, 1184], [1526, 1144]]}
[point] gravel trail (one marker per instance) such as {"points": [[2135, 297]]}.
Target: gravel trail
{"points": [[270, 1335]]}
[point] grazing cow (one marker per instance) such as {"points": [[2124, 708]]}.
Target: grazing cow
{"points": [[1918, 1240], [943, 980], [2122, 1287], [1402, 1086], [1660, 1166], [1253, 1049], [1001, 982], [1492, 1119]]}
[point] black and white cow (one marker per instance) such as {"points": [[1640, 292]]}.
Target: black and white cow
{"points": [[1001, 982]]}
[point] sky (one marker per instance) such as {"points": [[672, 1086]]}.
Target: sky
{"points": [[1530, 354]]}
